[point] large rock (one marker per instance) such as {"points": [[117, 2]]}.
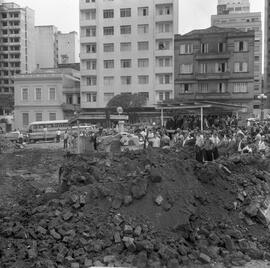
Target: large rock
{"points": [[139, 188]]}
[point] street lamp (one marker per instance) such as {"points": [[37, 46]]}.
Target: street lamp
{"points": [[262, 97]]}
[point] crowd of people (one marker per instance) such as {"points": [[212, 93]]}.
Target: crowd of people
{"points": [[212, 143], [194, 121]]}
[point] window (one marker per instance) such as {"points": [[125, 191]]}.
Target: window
{"points": [[143, 28], [204, 48], [125, 46], [91, 80], [91, 48], [203, 68], [90, 31], [52, 94], [163, 95], [257, 58], [143, 45], [221, 67], [91, 64], [109, 47], [25, 119], [108, 64], [38, 116], [25, 94], [126, 63], [164, 61], [38, 94], [186, 68], [163, 10], [125, 80], [164, 79], [164, 45], [143, 63], [108, 13], [203, 88], [143, 79], [52, 116], [164, 27], [241, 46], [240, 88], [221, 88], [143, 11], [240, 67], [125, 12], [108, 80], [185, 88], [108, 97], [221, 47], [69, 99], [125, 29], [108, 30], [91, 97], [186, 49], [90, 14]]}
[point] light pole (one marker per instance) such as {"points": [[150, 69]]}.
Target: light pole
{"points": [[262, 97]]}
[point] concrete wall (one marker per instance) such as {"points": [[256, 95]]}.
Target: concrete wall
{"points": [[69, 46], [46, 46]]}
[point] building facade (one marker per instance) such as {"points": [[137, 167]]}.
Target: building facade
{"points": [[215, 64], [245, 21], [127, 46], [17, 47], [46, 46], [48, 94], [232, 6], [68, 47], [267, 53]]}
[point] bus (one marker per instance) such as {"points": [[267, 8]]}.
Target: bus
{"points": [[46, 130]]}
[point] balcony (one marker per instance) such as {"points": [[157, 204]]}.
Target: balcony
{"points": [[213, 76], [86, 56], [85, 72], [163, 2], [70, 107], [166, 18], [213, 56], [85, 6], [164, 52], [212, 96], [88, 39]]}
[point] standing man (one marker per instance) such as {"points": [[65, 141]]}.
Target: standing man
{"points": [[65, 139], [58, 134]]}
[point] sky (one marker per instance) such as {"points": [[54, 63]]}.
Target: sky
{"points": [[64, 14]]}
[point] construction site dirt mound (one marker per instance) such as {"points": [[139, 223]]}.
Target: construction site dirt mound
{"points": [[150, 208]]}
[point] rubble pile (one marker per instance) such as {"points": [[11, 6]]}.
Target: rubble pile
{"points": [[6, 145], [151, 208]]}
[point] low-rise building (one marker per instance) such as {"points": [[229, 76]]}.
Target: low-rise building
{"points": [[215, 64], [45, 95]]}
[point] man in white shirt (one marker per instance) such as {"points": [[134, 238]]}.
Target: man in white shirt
{"points": [[155, 141], [58, 134]]}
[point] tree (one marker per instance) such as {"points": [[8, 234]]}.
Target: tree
{"points": [[126, 100]]}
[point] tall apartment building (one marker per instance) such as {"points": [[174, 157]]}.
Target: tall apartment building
{"points": [[54, 47], [68, 47], [215, 64], [17, 47], [236, 15], [267, 53], [46, 46], [127, 46]]}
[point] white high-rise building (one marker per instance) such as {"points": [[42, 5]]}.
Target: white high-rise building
{"points": [[54, 47], [127, 46], [68, 47]]}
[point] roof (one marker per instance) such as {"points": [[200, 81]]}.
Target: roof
{"points": [[214, 30], [174, 105]]}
